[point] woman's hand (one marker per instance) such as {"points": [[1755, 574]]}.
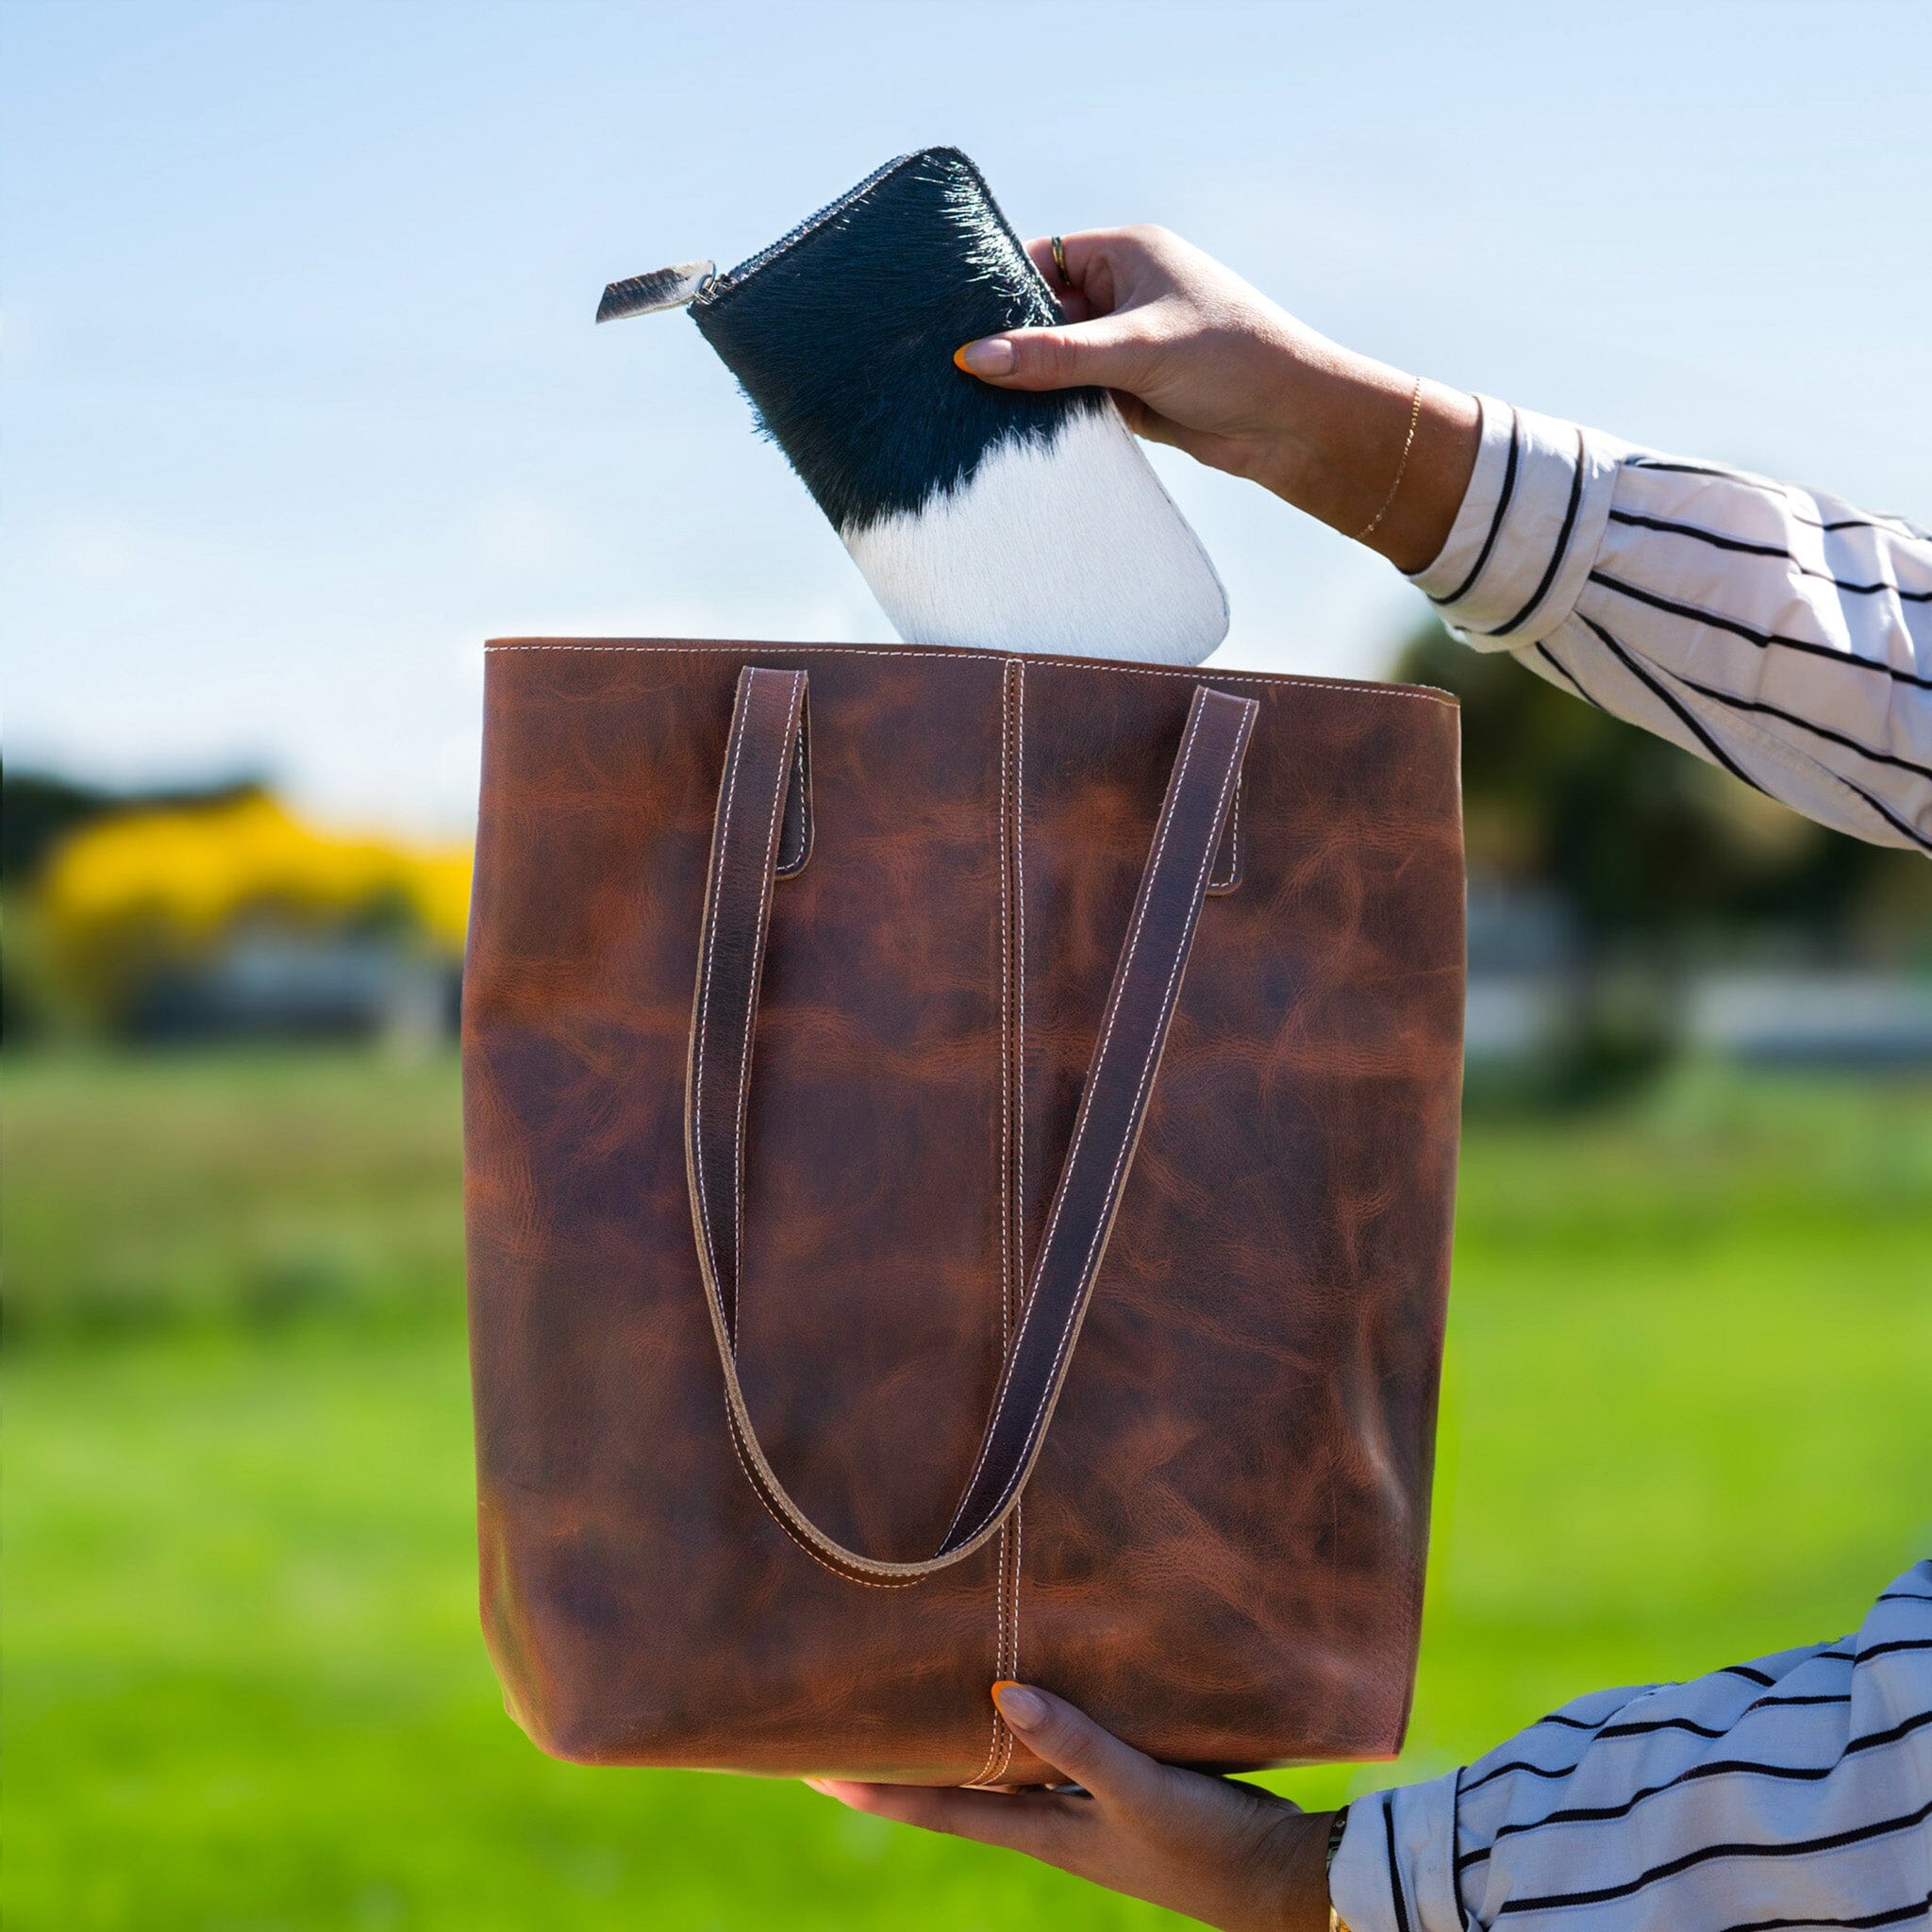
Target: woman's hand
{"points": [[1229, 1853], [1199, 358]]}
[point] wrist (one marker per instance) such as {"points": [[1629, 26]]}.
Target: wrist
{"points": [[1305, 1893], [1338, 437]]}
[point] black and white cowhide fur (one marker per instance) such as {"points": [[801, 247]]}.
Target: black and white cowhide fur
{"points": [[979, 516]]}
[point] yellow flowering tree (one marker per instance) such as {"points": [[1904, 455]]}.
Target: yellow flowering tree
{"points": [[140, 894]]}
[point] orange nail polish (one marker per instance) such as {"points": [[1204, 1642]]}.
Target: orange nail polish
{"points": [[1019, 1704], [988, 356]]}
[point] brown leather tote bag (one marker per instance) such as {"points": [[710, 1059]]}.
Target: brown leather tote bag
{"points": [[960, 1154]]}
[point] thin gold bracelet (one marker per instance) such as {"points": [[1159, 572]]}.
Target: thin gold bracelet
{"points": [[1415, 416]]}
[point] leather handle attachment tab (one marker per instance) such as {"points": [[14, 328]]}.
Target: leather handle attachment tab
{"points": [[762, 759]]}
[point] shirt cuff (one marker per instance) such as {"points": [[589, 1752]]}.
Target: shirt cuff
{"points": [[1530, 526], [1395, 1867]]}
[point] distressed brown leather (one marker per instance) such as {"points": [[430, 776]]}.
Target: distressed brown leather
{"points": [[1218, 1549]]}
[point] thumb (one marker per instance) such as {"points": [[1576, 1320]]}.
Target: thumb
{"points": [[1109, 353], [1070, 1740]]}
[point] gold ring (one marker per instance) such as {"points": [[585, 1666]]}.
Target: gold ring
{"points": [[1060, 260]]}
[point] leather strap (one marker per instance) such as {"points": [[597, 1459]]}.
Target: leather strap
{"points": [[762, 762]]}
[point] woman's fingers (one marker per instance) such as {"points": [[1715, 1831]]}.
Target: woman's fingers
{"points": [[1041, 249], [1108, 352], [1111, 339], [1099, 262], [1071, 298], [1223, 1852], [1028, 1822], [1037, 1823], [1071, 1742]]}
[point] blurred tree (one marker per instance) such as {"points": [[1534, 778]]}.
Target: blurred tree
{"points": [[1659, 861], [38, 809], [1651, 849], [115, 904]]}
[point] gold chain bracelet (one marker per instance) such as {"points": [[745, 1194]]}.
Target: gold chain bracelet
{"points": [[1415, 416]]}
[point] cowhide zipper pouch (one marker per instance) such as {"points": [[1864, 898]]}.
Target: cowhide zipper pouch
{"points": [[998, 517]]}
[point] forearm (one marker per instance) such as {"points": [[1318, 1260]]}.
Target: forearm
{"points": [[1341, 448], [1796, 1789], [1782, 635]]}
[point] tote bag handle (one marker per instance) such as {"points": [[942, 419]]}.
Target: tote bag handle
{"points": [[759, 759]]}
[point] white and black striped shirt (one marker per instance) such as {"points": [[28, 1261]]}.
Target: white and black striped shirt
{"points": [[1776, 632], [1787, 638], [1792, 1792]]}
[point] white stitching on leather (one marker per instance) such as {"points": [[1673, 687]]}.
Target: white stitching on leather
{"points": [[776, 1514], [1280, 680], [804, 827], [1234, 849], [1105, 1043], [1086, 1115], [733, 1396], [999, 1576], [738, 1420], [1012, 1669], [1141, 1088], [1080, 1127], [772, 1491], [758, 961], [697, 1100]]}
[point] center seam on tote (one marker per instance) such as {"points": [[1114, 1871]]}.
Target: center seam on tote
{"points": [[1001, 1736], [1018, 1175]]}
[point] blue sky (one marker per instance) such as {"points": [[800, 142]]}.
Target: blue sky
{"points": [[300, 399]]}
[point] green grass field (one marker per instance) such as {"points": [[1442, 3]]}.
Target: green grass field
{"points": [[1685, 1422]]}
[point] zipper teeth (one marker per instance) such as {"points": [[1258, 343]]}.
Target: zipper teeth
{"points": [[751, 263]]}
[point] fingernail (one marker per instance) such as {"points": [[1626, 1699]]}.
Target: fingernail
{"points": [[817, 1784], [989, 356], [1020, 1708]]}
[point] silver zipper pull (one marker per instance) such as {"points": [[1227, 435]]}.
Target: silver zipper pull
{"points": [[663, 288]]}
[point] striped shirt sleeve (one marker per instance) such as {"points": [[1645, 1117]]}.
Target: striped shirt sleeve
{"points": [[1773, 631], [1792, 1792]]}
